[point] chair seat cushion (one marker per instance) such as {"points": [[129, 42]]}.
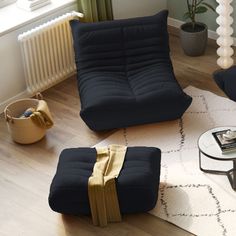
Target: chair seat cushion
{"points": [[125, 75], [137, 184]]}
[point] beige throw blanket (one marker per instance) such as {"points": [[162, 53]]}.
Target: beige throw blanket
{"points": [[42, 116], [102, 187]]}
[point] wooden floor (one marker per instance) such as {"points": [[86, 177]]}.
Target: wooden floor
{"points": [[26, 171]]}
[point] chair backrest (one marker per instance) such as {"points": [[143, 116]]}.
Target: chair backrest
{"points": [[121, 45]]}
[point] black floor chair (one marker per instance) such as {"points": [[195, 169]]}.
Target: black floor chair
{"points": [[125, 75]]}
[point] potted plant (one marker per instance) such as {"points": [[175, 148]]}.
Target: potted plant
{"points": [[193, 34]]}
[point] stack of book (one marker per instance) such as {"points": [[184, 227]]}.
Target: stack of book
{"points": [[31, 5], [226, 145]]}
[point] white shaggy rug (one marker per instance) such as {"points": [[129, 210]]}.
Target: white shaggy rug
{"points": [[203, 204]]}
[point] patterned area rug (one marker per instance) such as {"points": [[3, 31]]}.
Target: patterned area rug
{"points": [[203, 204]]}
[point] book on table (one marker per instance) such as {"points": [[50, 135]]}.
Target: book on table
{"points": [[224, 144]]}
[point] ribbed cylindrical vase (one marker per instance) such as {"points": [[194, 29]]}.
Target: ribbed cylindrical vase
{"points": [[225, 31]]}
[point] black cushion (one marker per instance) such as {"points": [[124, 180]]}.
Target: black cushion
{"points": [[226, 80], [125, 75], [137, 185]]}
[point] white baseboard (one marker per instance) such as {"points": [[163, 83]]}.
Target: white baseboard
{"points": [[177, 23], [21, 95]]}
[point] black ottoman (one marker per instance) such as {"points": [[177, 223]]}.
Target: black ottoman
{"points": [[137, 185]]}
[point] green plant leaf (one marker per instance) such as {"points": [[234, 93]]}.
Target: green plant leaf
{"points": [[200, 10], [186, 15], [209, 6]]}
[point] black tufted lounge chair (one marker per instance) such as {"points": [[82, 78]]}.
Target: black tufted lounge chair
{"points": [[125, 75]]}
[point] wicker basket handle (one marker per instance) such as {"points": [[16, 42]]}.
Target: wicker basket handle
{"points": [[7, 116], [39, 96]]}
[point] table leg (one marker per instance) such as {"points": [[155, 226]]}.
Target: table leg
{"points": [[232, 175], [218, 172]]}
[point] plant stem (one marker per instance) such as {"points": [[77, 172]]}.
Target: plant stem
{"points": [[189, 10], [194, 7], [198, 3]]}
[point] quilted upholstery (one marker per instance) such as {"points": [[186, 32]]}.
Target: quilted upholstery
{"points": [[226, 81], [125, 75], [137, 184]]}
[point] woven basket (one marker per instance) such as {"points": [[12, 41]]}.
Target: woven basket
{"points": [[23, 130]]}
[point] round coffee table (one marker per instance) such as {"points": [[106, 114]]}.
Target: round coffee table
{"points": [[208, 147]]}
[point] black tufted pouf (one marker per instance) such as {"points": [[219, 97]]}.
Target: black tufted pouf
{"points": [[137, 185]]}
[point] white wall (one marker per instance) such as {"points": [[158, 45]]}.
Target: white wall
{"points": [[12, 82], [133, 8]]}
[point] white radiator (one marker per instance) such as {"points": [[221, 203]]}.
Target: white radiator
{"points": [[47, 53]]}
